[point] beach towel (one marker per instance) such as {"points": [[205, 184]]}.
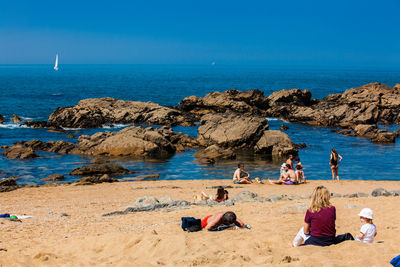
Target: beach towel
{"points": [[395, 261], [224, 227]]}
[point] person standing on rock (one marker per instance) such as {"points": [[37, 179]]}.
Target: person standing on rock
{"points": [[335, 163], [240, 176]]}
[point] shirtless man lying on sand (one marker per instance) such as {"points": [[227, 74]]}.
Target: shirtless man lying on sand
{"points": [[240, 176], [287, 177], [221, 218]]}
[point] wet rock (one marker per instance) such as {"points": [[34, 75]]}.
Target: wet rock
{"points": [[283, 127], [384, 137], [100, 169], [95, 180], [54, 177], [95, 112], [249, 102], [213, 153], [61, 147], [8, 184], [380, 192], [275, 143], [19, 151], [16, 119], [230, 130], [368, 130], [134, 142], [1, 119], [43, 124]]}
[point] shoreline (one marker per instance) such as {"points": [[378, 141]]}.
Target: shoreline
{"points": [[68, 228]]}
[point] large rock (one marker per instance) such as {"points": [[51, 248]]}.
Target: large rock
{"points": [[19, 151], [95, 112], [214, 152], [8, 184], [231, 130], [62, 147], [134, 142], [290, 97], [275, 143], [43, 124], [100, 169], [96, 180], [251, 102]]}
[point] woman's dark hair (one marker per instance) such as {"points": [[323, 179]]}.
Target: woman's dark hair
{"points": [[298, 167], [334, 153], [220, 193], [240, 164], [228, 218]]}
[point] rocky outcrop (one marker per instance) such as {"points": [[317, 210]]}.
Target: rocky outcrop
{"points": [[95, 112], [62, 147], [366, 105], [95, 180], [16, 119], [19, 151], [134, 142], [100, 169], [43, 124], [225, 135], [8, 184], [249, 102], [275, 143], [230, 130], [54, 177]]}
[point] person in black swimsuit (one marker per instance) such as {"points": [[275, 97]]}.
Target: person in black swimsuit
{"points": [[335, 163]]}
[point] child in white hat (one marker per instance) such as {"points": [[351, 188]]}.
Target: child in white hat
{"points": [[368, 229]]}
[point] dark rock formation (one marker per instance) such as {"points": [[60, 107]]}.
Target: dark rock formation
{"points": [[8, 184], [19, 151], [1, 119], [100, 169], [249, 102], [95, 112], [54, 177], [275, 143], [95, 180], [43, 124], [16, 119], [283, 128], [62, 147]]}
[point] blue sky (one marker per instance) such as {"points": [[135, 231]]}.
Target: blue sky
{"points": [[331, 33]]}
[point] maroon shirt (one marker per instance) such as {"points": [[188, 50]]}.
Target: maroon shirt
{"points": [[322, 223]]}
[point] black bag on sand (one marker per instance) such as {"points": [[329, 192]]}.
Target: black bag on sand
{"points": [[191, 224], [344, 237]]}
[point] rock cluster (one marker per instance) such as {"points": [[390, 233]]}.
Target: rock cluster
{"points": [[95, 112], [357, 110], [134, 141], [89, 180], [250, 102], [150, 203], [8, 184], [223, 134], [100, 169], [19, 151]]}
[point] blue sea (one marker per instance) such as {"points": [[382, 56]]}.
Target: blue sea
{"points": [[33, 92]]}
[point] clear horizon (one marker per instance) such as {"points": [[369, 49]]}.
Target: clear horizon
{"points": [[230, 33]]}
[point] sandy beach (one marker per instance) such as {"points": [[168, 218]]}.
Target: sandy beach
{"points": [[86, 238]]}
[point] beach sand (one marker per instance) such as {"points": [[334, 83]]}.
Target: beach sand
{"points": [[86, 238]]}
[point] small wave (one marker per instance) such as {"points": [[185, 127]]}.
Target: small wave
{"points": [[71, 129], [12, 126], [272, 119], [116, 125], [57, 94], [26, 118]]}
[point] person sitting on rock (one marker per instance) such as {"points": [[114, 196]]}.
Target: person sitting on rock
{"points": [[221, 218], [287, 177], [222, 195], [240, 176]]}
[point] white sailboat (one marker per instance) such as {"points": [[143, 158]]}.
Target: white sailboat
{"points": [[56, 64]]}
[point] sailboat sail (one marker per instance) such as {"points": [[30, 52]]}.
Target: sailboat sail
{"points": [[56, 64]]}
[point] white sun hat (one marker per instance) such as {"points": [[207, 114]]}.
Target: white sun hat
{"points": [[366, 213]]}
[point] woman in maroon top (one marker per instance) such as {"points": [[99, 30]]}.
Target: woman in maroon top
{"points": [[319, 222]]}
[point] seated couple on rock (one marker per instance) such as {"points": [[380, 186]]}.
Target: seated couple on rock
{"points": [[289, 176], [240, 176]]}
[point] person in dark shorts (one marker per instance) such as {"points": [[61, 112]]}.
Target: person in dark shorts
{"points": [[334, 163]]}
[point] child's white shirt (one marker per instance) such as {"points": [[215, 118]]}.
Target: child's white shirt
{"points": [[369, 230]]}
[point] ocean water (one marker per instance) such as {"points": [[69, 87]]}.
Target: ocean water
{"points": [[33, 92]]}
